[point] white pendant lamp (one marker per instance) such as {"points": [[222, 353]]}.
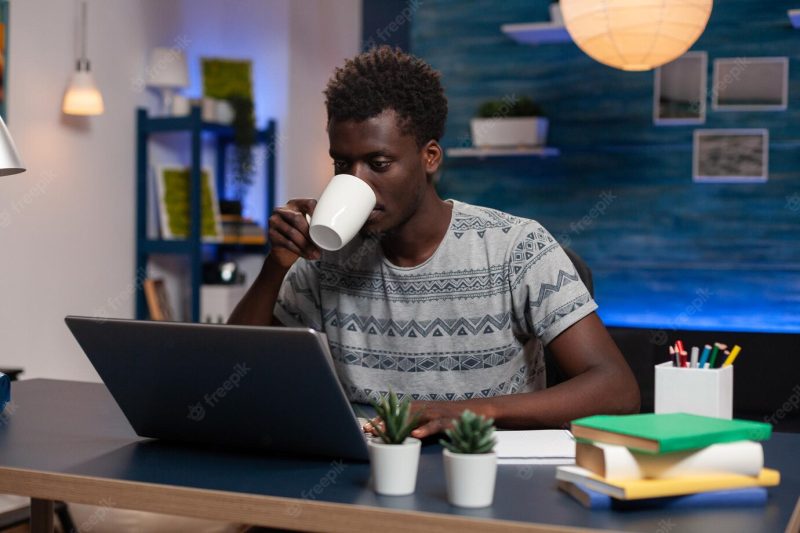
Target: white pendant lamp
{"points": [[635, 34], [10, 161], [82, 96]]}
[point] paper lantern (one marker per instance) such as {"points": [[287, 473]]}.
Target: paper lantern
{"points": [[635, 34]]}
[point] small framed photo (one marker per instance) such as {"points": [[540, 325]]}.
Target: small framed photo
{"points": [[731, 156], [679, 91], [750, 84], [174, 192]]}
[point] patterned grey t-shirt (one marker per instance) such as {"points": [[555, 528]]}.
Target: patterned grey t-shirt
{"points": [[469, 322]]}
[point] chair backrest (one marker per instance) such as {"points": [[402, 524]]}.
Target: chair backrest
{"points": [[583, 269], [553, 372]]}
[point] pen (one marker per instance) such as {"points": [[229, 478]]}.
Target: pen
{"points": [[684, 359], [732, 357], [714, 352], [704, 357], [695, 354], [672, 356]]}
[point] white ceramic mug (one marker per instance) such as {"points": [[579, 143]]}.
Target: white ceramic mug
{"points": [[341, 211]]}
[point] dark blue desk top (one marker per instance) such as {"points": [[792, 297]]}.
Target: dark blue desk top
{"points": [[77, 428]]}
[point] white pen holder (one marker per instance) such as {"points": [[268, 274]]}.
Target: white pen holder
{"points": [[698, 391]]}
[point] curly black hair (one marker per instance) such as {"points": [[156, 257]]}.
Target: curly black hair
{"points": [[386, 78]]}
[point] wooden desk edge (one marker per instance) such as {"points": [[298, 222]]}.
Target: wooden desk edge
{"points": [[251, 509]]}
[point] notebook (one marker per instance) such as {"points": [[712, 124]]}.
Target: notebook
{"points": [[535, 447]]}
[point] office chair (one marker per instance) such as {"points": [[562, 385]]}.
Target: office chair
{"points": [[554, 374]]}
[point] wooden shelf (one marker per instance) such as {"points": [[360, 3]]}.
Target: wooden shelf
{"points": [[537, 32], [511, 151]]}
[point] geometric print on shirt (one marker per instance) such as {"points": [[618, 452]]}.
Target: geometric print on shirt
{"points": [[367, 395], [437, 327], [422, 362]]}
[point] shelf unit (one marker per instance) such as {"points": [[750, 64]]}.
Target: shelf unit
{"points": [[192, 247], [511, 151], [537, 32], [794, 17]]}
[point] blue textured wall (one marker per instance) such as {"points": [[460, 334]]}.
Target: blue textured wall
{"points": [[665, 252]]}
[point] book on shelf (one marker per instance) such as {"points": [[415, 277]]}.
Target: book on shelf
{"points": [[615, 462], [633, 489], [592, 499], [237, 229], [672, 432], [155, 292]]}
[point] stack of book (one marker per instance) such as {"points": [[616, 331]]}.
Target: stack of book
{"points": [[237, 229], [667, 460]]}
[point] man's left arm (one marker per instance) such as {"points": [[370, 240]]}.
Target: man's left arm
{"points": [[600, 381]]}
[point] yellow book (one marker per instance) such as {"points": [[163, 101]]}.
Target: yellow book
{"points": [[635, 489]]}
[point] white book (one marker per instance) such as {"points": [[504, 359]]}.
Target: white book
{"points": [[614, 462], [545, 446]]}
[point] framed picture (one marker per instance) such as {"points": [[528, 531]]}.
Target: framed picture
{"points": [[173, 185], [227, 78], [731, 156], [750, 84], [679, 91]]}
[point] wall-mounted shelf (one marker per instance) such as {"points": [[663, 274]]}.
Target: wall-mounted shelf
{"points": [[537, 32], [512, 151], [794, 16]]}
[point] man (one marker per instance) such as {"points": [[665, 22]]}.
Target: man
{"points": [[443, 301]]}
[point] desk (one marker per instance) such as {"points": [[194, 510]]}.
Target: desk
{"points": [[69, 441]]}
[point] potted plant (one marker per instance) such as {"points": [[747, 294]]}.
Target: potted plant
{"points": [[510, 121], [470, 463], [394, 456]]}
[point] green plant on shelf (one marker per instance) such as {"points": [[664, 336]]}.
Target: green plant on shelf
{"points": [[509, 107]]}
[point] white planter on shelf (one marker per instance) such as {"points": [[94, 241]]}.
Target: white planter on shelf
{"points": [[394, 466], [470, 478], [555, 13], [510, 131]]}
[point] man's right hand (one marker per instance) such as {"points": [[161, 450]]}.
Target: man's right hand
{"points": [[288, 233]]}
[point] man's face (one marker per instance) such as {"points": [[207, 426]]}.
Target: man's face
{"points": [[376, 151]]}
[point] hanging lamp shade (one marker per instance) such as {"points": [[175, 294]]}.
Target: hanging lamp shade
{"points": [[10, 161], [635, 34], [82, 96]]}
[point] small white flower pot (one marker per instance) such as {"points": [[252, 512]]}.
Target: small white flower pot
{"points": [[510, 131], [470, 478], [394, 466]]}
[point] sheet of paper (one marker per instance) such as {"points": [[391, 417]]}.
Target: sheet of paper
{"points": [[531, 447]]}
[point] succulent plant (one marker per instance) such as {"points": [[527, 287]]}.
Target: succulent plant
{"points": [[470, 433], [397, 420], [509, 107]]}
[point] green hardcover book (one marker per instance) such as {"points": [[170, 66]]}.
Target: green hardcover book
{"points": [[672, 432]]}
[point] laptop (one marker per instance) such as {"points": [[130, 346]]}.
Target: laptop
{"points": [[264, 388]]}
